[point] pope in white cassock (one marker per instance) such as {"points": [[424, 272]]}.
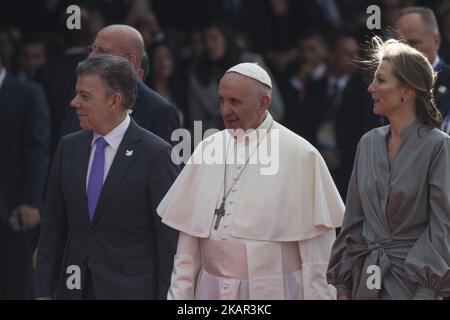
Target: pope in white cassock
{"points": [[249, 228]]}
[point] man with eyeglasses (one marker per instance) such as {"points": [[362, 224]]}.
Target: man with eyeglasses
{"points": [[151, 111]]}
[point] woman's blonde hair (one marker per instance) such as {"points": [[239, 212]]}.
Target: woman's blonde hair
{"points": [[412, 69]]}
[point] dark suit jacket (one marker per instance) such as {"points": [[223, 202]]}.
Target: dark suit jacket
{"points": [[58, 79], [151, 112], [24, 144], [353, 118], [442, 88], [128, 250]]}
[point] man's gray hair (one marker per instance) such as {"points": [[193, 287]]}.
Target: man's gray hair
{"points": [[117, 74], [426, 14]]}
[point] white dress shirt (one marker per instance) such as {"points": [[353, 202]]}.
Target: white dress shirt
{"points": [[2, 76], [436, 61], [446, 123], [113, 138], [446, 120]]}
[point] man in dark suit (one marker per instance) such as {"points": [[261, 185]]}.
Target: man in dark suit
{"points": [[24, 160], [151, 111], [58, 78], [339, 111], [101, 237], [418, 26]]}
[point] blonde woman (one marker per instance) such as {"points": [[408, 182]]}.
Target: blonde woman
{"points": [[395, 239]]}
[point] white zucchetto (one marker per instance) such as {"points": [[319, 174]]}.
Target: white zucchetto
{"points": [[252, 70]]}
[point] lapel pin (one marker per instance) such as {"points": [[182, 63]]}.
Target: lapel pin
{"points": [[129, 153], [442, 89]]}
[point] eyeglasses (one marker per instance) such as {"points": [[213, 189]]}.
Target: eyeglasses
{"points": [[93, 47], [99, 50]]}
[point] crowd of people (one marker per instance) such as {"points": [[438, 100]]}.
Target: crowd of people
{"points": [[366, 126]]}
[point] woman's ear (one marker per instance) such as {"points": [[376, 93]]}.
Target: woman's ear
{"points": [[409, 93]]}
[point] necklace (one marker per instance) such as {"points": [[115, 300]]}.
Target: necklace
{"points": [[220, 212]]}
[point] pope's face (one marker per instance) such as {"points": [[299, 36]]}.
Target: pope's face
{"points": [[241, 106]]}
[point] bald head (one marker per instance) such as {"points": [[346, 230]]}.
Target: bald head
{"points": [[121, 40], [424, 17], [419, 28]]}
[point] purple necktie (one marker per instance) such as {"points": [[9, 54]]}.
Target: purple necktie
{"points": [[95, 183]]}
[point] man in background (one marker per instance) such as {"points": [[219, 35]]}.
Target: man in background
{"points": [[418, 26], [24, 160], [151, 111]]}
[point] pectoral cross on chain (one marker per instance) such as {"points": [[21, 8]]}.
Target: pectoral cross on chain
{"points": [[219, 213]]}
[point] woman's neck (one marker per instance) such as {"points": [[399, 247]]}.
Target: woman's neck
{"points": [[400, 121]]}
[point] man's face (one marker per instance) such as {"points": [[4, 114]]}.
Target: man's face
{"points": [[240, 102], [313, 50], [412, 29], [33, 57], [113, 42], [92, 102], [346, 53]]}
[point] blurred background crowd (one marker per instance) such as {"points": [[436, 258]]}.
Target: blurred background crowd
{"points": [[308, 47]]}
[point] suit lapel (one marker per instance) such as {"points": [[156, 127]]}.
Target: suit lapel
{"points": [[439, 66], [138, 97], [82, 159], [6, 82], [126, 154]]}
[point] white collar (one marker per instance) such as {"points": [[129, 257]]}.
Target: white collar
{"points": [[341, 82], [114, 137], [437, 60], [319, 71], [266, 124], [253, 134], [2, 76]]}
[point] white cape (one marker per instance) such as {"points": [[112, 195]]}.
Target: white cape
{"points": [[298, 203]]}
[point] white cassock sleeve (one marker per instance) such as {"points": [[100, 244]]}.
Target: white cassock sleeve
{"points": [[315, 254], [186, 267]]}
